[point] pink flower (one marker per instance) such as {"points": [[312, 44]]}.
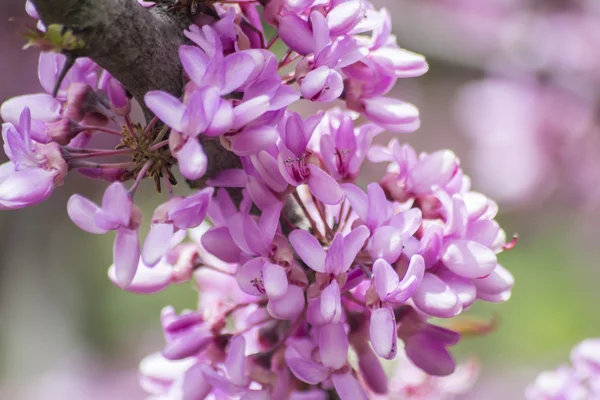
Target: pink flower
{"points": [[116, 213], [179, 213], [34, 169]]}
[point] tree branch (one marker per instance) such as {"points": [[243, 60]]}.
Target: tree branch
{"points": [[138, 46]]}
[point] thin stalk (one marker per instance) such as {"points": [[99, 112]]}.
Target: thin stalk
{"points": [[307, 214]]}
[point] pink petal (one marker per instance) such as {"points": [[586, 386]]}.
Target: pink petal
{"points": [[126, 256], [305, 370], [353, 243], [116, 207], [410, 282], [469, 259], [235, 361], [25, 187], [275, 280], [249, 110], [331, 307], [188, 344], [333, 345], [43, 107], [157, 243], [392, 114], [308, 249], [372, 371], [344, 16], [408, 221], [82, 211], [166, 107], [238, 68], [295, 32], [252, 140], [200, 107], [386, 243], [430, 355], [146, 280], [192, 159], [269, 220], [194, 62], [463, 287], [267, 167], [221, 382], [323, 186], [221, 119], [435, 169], [436, 298], [385, 278], [382, 331], [335, 255], [218, 241], [499, 280], [347, 387], [358, 199], [379, 210], [194, 386], [288, 306]]}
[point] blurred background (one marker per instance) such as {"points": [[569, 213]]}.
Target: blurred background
{"points": [[513, 89]]}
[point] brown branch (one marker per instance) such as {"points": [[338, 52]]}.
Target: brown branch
{"points": [[138, 46]]}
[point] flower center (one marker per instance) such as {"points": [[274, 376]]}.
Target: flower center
{"points": [[298, 168]]}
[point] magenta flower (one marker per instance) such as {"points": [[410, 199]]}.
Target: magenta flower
{"points": [[426, 345], [391, 292], [416, 175], [343, 148], [34, 169], [300, 359], [330, 266], [186, 334], [179, 213], [233, 378], [117, 213], [295, 163]]}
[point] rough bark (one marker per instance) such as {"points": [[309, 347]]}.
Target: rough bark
{"points": [[137, 46]]}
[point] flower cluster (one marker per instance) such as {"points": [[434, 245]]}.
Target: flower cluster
{"points": [[581, 380], [306, 280]]}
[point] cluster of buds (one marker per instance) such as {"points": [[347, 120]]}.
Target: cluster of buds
{"points": [[305, 279]]}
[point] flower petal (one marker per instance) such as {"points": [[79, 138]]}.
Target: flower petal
{"points": [[353, 243], [289, 306], [323, 186], [469, 259], [82, 212], [347, 387], [331, 307], [146, 280], [166, 107], [333, 345], [275, 280], [309, 249], [382, 332], [235, 361], [126, 256], [157, 243], [436, 298]]}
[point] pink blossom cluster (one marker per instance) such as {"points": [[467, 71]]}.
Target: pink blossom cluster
{"points": [[306, 280], [580, 380]]}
